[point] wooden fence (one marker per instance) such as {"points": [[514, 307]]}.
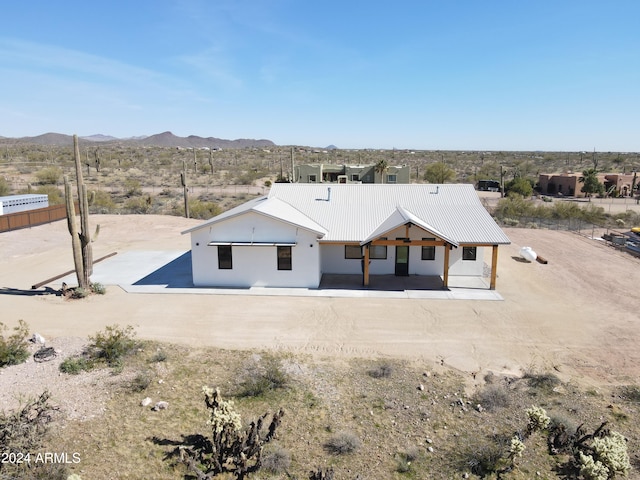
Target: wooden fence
{"points": [[31, 218]]}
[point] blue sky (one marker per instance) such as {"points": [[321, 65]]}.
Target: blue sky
{"points": [[454, 75]]}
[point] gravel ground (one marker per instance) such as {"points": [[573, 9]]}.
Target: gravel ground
{"points": [[79, 397]]}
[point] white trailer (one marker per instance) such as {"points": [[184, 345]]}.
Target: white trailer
{"points": [[22, 203]]}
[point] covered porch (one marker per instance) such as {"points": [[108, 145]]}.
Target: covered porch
{"points": [[395, 283]]}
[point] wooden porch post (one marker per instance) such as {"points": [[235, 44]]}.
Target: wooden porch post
{"points": [[445, 277], [365, 270], [494, 267]]}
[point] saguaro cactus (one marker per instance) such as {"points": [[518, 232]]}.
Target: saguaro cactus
{"points": [[185, 188], [80, 240]]}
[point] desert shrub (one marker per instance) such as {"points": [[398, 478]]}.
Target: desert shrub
{"points": [[566, 210], [98, 288], [492, 397], [138, 205], [261, 376], [276, 460], [141, 382], [483, 458], [405, 459], [514, 206], [113, 344], [630, 393], [544, 381], [76, 365], [383, 370], [49, 176], [101, 202], [132, 187], [203, 210], [23, 431], [13, 348], [4, 187], [159, 356], [342, 443], [80, 292]]}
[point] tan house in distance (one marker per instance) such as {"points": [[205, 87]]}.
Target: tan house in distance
{"points": [[569, 185]]}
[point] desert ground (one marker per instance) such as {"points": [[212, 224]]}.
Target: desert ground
{"points": [[577, 316]]}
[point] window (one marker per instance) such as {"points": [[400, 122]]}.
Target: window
{"points": [[352, 251], [284, 258], [355, 177], [428, 251], [392, 178], [312, 179], [469, 253], [225, 260], [378, 252]]}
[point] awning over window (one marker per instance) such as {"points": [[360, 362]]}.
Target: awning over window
{"points": [[252, 244]]}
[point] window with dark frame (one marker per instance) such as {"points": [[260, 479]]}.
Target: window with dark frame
{"points": [[225, 259], [428, 251], [378, 252], [469, 253], [284, 258], [352, 252]]}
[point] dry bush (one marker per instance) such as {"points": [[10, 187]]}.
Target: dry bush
{"points": [[342, 443], [492, 397], [13, 349]]}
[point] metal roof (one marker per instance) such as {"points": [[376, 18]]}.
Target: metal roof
{"points": [[270, 207], [362, 212], [352, 212]]}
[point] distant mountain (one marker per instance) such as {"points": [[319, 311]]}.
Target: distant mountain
{"points": [[99, 138], [165, 139], [168, 139], [331, 147]]}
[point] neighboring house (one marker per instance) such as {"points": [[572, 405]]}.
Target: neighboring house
{"points": [[568, 184], [298, 232], [328, 173]]}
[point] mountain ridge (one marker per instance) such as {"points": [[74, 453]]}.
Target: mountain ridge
{"points": [[164, 139]]}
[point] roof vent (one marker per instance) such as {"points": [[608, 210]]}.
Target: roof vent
{"points": [[328, 194]]}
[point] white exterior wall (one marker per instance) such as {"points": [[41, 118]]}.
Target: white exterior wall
{"points": [[457, 266], [255, 265], [333, 261]]}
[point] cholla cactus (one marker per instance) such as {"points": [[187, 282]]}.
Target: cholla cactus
{"points": [[592, 469], [611, 450], [516, 447], [223, 415], [538, 419]]}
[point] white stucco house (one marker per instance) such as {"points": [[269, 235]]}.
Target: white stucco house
{"points": [[299, 232]]}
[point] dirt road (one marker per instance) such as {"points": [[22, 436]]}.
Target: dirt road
{"points": [[577, 315]]}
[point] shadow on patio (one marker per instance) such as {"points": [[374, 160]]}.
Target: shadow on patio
{"points": [[393, 283]]}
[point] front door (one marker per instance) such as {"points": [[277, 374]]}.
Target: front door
{"points": [[402, 260]]}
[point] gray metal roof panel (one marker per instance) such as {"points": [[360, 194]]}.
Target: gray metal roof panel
{"points": [[351, 212]]}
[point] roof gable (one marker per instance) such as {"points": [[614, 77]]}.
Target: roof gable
{"points": [[270, 207], [352, 212]]}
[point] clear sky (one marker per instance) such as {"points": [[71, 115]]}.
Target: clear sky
{"points": [[423, 74]]}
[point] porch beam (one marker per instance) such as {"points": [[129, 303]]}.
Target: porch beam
{"points": [[412, 243], [494, 267], [445, 277], [365, 270]]}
